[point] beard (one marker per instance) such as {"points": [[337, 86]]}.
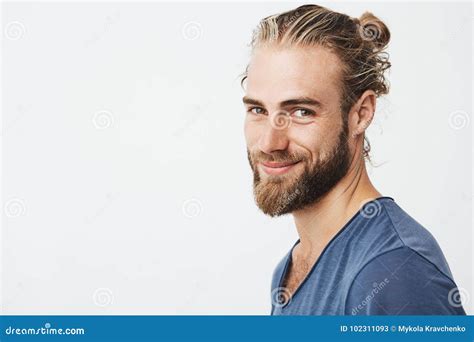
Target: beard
{"points": [[281, 195]]}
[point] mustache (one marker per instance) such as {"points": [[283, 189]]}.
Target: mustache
{"points": [[276, 156]]}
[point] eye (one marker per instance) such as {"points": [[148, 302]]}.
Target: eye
{"points": [[256, 110], [303, 113]]}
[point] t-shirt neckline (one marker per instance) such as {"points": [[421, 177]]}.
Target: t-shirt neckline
{"points": [[311, 271]]}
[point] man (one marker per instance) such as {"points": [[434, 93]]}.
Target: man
{"points": [[311, 88]]}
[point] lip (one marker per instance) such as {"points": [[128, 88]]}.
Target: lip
{"points": [[273, 168]]}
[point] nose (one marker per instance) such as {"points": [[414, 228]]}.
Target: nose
{"points": [[274, 137]]}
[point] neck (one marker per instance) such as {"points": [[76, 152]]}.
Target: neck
{"points": [[320, 222]]}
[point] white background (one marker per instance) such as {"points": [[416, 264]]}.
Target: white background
{"points": [[125, 182]]}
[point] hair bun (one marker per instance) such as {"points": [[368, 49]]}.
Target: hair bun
{"points": [[373, 29]]}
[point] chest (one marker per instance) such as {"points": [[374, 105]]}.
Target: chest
{"points": [[308, 290], [295, 275]]}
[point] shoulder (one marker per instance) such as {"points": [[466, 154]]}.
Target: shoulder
{"points": [[402, 281], [383, 226], [415, 236]]}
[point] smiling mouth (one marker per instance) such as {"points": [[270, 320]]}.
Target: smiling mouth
{"points": [[277, 168]]}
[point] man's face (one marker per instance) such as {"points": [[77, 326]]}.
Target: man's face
{"points": [[296, 138]]}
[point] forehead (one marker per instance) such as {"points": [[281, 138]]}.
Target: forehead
{"points": [[276, 73]]}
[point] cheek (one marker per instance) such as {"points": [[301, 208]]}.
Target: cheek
{"points": [[315, 141], [251, 132], [306, 138]]}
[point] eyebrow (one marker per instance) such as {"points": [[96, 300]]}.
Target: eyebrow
{"points": [[290, 102]]}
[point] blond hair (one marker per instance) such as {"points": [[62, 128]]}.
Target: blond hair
{"points": [[358, 42]]}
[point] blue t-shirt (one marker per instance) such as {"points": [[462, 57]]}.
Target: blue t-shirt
{"points": [[382, 262]]}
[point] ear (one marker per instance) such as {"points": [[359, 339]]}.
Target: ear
{"points": [[362, 113]]}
